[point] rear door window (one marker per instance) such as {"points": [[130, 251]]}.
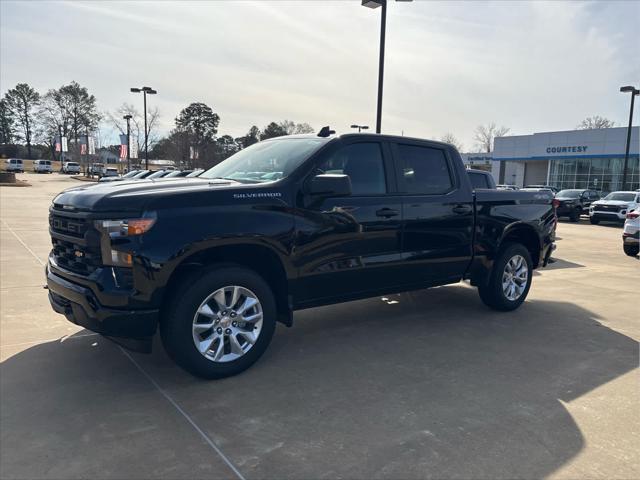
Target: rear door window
{"points": [[424, 170]]}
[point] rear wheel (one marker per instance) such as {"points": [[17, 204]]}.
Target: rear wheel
{"points": [[510, 279], [594, 221], [575, 215], [631, 250], [219, 324]]}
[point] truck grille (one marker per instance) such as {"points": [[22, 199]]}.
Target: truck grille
{"points": [[606, 208], [76, 245], [73, 227], [76, 258]]}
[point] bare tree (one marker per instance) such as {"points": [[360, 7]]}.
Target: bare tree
{"points": [[451, 139], [486, 134], [116, 119], [595, 122]]}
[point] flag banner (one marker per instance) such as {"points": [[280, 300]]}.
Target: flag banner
{"points": [[92, 146], [64, 144], [56, 141], [83, 149], [193, 153], [133, 149], [123, 151]]}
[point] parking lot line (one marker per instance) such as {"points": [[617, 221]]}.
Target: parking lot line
{"points": [[22, 243], [184, 414]]}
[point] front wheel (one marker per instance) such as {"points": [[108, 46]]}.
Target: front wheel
{"points": [[510, 279], [631, 250], [220, 323], [594, 221]]}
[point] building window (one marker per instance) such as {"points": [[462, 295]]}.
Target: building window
{"points": [[601, 174]]}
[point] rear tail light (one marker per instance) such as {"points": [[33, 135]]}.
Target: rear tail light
{"points": [[633, 214], [556, 203]]}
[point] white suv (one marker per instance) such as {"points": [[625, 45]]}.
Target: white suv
{"points": [[614, 207], [14, 165], [71, 167], [42, 166]]}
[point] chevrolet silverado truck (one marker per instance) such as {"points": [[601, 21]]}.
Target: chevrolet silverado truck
{"points": [[290, 223]]}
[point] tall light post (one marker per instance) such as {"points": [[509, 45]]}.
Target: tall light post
{"points": [[634, 91], [383, 28], [128, 119], [145, 91], [360, 127]]}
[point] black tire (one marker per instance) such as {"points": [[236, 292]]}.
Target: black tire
{"points": [[631, 250], [177, 321], [492, 293], [574, 216], [594, 221]]}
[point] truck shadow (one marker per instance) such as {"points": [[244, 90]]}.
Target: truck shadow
{"points": [[423, 384]]}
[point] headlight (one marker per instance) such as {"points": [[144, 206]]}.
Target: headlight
{"points": [[116, 231], [125, 228]]}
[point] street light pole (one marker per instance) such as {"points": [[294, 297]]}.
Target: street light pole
{"points": [[360, 127], [634, 91], [145, 91], [128, 118], [383, 29]]}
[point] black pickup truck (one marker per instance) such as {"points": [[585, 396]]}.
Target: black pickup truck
{"points": [[290, 223]]}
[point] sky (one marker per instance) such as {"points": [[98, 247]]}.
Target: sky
{"points": [[450, 66]]}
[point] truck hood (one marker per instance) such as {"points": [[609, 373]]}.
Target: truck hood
{"points": [[618, 203], [136, 195]]}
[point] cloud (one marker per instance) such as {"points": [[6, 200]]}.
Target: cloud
{"points": [[449, 65]]}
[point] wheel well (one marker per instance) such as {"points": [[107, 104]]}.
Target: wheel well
{"points": [[261, 260], [529, 238]]}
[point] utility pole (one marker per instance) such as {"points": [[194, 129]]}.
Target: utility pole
{"points": [[634, 91]]}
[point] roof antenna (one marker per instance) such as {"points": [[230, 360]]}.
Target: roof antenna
{"points": [[325, 132]]}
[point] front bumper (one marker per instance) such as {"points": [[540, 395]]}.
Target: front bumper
{"points": [[80, 306], [608, 216]]}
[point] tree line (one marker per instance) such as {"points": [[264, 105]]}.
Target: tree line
{"points": [[33, 120]]}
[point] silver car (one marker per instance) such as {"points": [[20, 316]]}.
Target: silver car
{"points": [[631, 233]]}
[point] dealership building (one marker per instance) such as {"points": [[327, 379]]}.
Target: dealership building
{"points": [[573, 159]]}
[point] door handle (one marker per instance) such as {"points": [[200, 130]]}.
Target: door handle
{"points": [[387, 212], [462, 209]]}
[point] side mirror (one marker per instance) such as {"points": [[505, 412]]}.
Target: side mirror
{"points": [[330, 185]]}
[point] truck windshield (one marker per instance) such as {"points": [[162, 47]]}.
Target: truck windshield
{"points": [[569, 193], [621, 196], [266, 161]]}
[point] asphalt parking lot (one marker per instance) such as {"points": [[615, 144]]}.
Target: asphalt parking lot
{"points": [[429, 384]]}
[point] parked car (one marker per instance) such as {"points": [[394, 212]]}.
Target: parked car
{"points": [[110, 172], [548, 187], [42, 166], [574, 202], [507, 187], [14, 165], [70, 168], [158, 174], [481, 179], [179, 173], [215, 261], [631, 233], [196, 173], [96, 169], [614, 207], [126, 176], [538, 189]]}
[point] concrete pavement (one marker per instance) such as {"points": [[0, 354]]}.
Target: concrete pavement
{"points": [[428, 384]]}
